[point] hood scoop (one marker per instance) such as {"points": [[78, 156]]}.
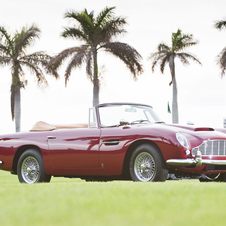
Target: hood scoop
{"points": [[203, 129]]}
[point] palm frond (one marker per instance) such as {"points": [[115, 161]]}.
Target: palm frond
{"points": [[90, 15], [185, 45], [75, 62], [36, 70], [127, 54], [70, 32], [25, 38], [57, 61], [84, 21], [163, 62], [111, 29], [6, 43], [104, 17], [221, 61], [4, 49], [181, 41], [184, 56], [221, 24], [157, 58], [4, 60], [162, 47], [38, 59]]}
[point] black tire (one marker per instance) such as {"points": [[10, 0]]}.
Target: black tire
{"points": [[221, 178], [30, 168], [146, 164]]}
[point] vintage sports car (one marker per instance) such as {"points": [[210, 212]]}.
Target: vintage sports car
{"points": [[121, 141]]}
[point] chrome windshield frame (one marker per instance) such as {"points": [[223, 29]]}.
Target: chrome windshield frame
{"points": [[143, 108]]}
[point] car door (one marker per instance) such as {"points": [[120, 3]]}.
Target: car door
{"points": [[113, 145], [74, 148]]}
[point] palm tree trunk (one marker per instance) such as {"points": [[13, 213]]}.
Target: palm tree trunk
{"points": [[17, 108], [96, 82], [96, 89], [15, 97], [175, 118]]}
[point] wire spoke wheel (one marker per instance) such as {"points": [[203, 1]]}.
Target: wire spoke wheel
{"points": [[30, 167], [30, 170], [144, 166]]}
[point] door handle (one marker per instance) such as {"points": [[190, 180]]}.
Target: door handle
{"points": [[51, 137], [111, 142]]}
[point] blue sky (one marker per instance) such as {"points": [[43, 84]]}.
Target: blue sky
{"points": [[201, 90]]}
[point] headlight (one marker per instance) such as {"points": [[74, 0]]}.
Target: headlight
{"points": [[182, 140]]}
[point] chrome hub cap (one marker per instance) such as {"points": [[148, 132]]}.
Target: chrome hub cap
{"points": [[144, 167], [30, 170]]}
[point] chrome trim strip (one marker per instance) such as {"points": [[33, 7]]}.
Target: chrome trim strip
{"points": [[94, 123], [181, 162], [213, 162], [193, 162], [197, 161]]}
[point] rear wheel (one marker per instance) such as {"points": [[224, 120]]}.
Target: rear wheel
{"points": [[30, 168], [146, 164]]}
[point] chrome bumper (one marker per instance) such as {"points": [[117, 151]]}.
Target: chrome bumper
{"points": [[197, 161]]}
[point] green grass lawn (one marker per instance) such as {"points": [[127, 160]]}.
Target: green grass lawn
{"points": [[76, 202]]}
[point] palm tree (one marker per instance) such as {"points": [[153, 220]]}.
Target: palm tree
{"points": [[96, 34], [167, 54], [13, 53], [221, 58]]}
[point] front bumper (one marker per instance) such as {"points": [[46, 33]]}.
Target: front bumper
{"points": [[197, 161]]}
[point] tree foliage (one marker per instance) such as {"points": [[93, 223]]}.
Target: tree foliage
{"points": [[13, 53], [96, 34], [221, 58], [167, 54]]}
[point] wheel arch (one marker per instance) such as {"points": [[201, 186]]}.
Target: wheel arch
{"points": [[132, 147], [19, 152]]}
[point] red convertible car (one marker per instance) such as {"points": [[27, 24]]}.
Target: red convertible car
{"points": [[121, 141]]}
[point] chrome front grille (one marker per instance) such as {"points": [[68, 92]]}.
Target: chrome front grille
{"points": [[211, 147]]}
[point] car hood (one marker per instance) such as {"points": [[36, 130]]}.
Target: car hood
{"points": [[196, 135]]}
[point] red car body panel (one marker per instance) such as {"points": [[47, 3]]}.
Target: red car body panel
{"points": [[102, 151]]}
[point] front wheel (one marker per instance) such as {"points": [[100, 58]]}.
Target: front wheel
{"points": [[30, 168], [209, 177], [146, 164], [220, 177]]}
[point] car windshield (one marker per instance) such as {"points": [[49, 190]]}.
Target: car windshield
{"points": [[121, 114]]}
